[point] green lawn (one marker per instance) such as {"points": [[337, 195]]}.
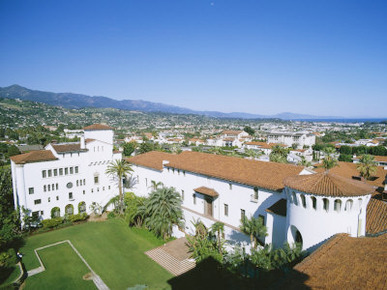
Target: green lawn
{"points": [[112, 249]]}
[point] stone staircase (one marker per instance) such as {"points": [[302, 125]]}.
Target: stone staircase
{"points": [[170, 263]]}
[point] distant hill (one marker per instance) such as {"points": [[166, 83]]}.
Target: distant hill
{"points": [[77, 101]]}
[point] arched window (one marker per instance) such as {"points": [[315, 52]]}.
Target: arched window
{"points": [[337, 205], [314, 202], [348, 205], [326, 204], [360, 202], [69, 209], [55, 212], [295, 198], [303, 200], [82, 207]]}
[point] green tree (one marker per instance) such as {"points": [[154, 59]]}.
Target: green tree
{"points": [[218, 228], [346, 150], [367, 166], [330, 159], [118, 170], [129, 148], [254, 228], [304, 162], [156, 185], [249, 130], [163, 211]]}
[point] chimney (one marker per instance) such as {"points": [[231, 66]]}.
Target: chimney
{"points": [[83, 144]]}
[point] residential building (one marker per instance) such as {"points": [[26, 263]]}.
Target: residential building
{"points": [[289, 138]]}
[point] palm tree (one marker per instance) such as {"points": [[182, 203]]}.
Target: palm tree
{"points": [[118, 169], [163, 211], [330, 160], [155, 185], [367, 166], [255, 228], [218, 228]]}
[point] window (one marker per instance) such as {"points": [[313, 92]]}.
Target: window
{"points": [[76, 169], [96, 179], [44, 173], [57, 197], [31, 190], [103, 188], [182, 194], [243, 214], [255, 196], [92, 190], [37, 201], [70, 195], [326, 204], [49, 187], [84, 182], [230, 185], [44, 188], [66, 171], [55, 172], [60, 171], [337, 205], [226, 209], [194, 198], [71, 170], [184, 172], [49, 173], [97, 189], [348, 205], [109, 187], [295, 198], [56, 186], [69, 185], [84, 192], [314, 202], [49, 199], [53, 186], [303, 200], [77, 182]]}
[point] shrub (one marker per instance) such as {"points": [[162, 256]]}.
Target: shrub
{"points": [[52, 223], [111, 215], [77, 217], [8, 258]]}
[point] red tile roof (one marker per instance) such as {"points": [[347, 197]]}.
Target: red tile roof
{"points": [[328, 184], [96, 127], [152, 159], [344, 262], [207, 191], [376, 221], [67, 148], [34, 156]]}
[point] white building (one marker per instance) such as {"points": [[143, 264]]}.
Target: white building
{"points": [[300, 138], [68, 176], [294, 205]]}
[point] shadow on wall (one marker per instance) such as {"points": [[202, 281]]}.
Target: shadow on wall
{"points": [[238, 238], [210, 274]]}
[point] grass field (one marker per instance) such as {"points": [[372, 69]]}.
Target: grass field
{"points": [[112, 249]]}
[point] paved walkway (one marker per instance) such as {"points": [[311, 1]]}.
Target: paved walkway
{"points": [[173, 256], [96, 279]]}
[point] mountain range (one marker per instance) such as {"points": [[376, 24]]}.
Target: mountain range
{"points": [[77, 101]]}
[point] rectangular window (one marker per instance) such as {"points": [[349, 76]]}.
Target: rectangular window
{"points": [[49, 199], [44, 173], [49, 187], [31, 190], [60, 171], [56, 186], [55, 172], [70, 195], [66, 171], [57, 197], [226, 209], [84, 182], [96, 180], [194, 198], [92, 190], [44, 188], [103, 188], [49, 173], [230, 185], [84, 192], [109, 187], [243, 214], [77, 182], [37, 201], [53, 186], [71, 170], [255, 193], [76, 169], [182, 194]]}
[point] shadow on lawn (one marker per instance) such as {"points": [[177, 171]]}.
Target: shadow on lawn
{"points": [[210, 274]]}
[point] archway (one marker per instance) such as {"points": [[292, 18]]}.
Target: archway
{"points": [[294, 236]]}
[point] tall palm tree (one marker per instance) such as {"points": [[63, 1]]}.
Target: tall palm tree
{"points": [[155, 185], [330, 159], [118, 169], [255, 228], [367, 166], [163, 211]]}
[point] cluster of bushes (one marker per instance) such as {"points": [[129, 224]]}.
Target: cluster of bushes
{"points": [[60, 221]]}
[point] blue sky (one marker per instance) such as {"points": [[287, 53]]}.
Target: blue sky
{"points": [[321, 57]]}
